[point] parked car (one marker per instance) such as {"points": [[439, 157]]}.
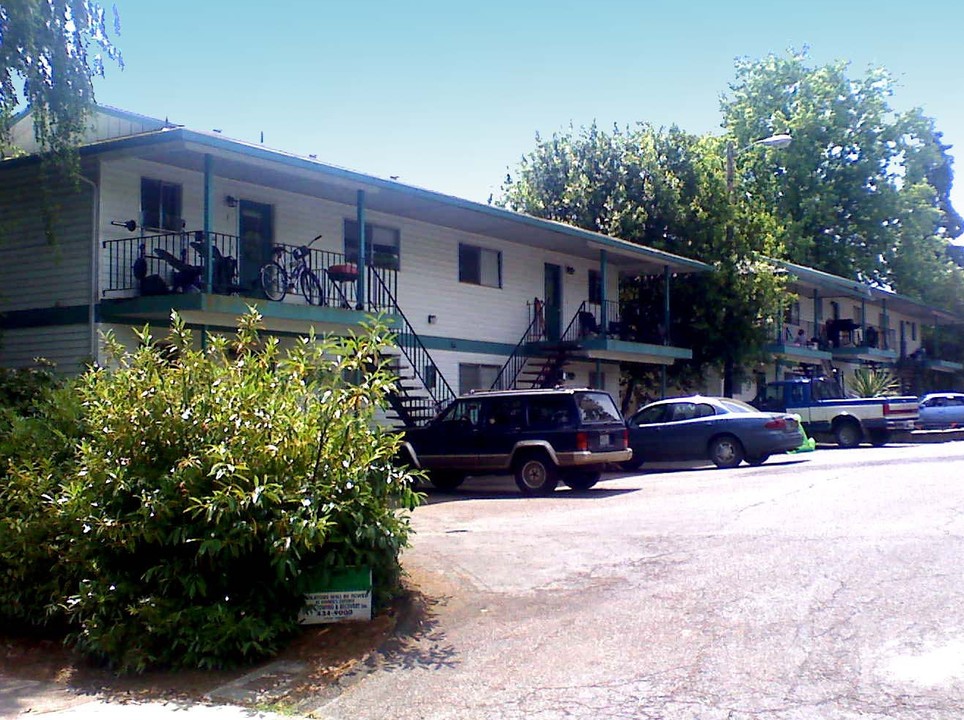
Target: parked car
{"points": [[941, 410], [722, 430], [540, 436]]}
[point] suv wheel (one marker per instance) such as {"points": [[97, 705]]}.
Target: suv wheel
{"points": [[581, 479], [536, 474], [446, 480]]}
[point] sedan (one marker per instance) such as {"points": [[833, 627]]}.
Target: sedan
{"points": [[941, 410], [722, 430]]}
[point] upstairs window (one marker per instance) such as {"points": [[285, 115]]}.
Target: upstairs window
{"points": [[161, 205], [382, 245], [480, 266]]}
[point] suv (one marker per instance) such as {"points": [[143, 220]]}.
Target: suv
{"points": [[541, 436]]}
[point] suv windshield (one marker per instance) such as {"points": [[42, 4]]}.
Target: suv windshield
{"points": [[597, 408]]}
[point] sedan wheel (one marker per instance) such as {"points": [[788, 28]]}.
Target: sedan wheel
{"points": [[757, 459], [726, 452]]}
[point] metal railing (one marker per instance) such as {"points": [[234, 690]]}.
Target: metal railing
{"points": [[440, 393], [177, 262], [509, 373], [595, 320], [173, 261], [804, 333]]}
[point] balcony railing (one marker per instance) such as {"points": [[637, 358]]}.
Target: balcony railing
{"points": [[832, 335], [177, 263], [595, 320]]}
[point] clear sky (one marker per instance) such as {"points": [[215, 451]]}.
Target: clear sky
{"points": [[449, 95]]}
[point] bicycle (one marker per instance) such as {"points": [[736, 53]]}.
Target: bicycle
{"points": [[277, 280]]}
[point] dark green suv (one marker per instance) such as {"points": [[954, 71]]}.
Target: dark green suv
{"points": [[540, 436]]}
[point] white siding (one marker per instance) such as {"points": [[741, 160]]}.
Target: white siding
{"points": [[41, 274], [67, 346]]}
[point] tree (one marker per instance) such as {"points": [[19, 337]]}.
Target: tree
{"points": [[664, 189], [864, 190], [45, 49]]}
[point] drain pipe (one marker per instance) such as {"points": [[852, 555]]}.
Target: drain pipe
{"points": [[94, 267]]}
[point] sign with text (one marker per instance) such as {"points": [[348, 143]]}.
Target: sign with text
{"points": [[341, 595]]}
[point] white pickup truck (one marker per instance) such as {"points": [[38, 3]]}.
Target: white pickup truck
{"points": [[827, 414]]}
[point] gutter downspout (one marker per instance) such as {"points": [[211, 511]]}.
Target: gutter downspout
{"points": [[94, 264]]}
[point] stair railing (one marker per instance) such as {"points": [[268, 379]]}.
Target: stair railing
{"points": [[509, 374], [412, 347]]}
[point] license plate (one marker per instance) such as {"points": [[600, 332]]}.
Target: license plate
{"points": [[604, 441]]}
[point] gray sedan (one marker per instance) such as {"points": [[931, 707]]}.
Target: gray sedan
{"points": [[722, 430], [941, 410]]}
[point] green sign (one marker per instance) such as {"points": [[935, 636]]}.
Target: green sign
{"points": [[338, 596]]}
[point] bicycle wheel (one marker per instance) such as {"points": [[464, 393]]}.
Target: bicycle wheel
{"points": [[274, 281], [311, 288]]}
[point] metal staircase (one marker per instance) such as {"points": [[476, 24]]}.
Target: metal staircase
{"points": [[421, 390]]}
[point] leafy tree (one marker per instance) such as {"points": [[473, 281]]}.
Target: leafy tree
{"points": [[664, 189], [45, 49], [863, 191]]}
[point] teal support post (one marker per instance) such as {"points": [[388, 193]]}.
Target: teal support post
{"points": [[360, 287], [208, 240], [208, 209], [598, 385], [863, 318], [604, 281], [817, 313], [885, 323], [666, 313]]}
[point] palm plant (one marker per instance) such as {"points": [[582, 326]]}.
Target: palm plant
{"points": [[873, 383]]}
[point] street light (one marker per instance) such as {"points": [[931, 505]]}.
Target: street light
{"points": [[774, 141]]}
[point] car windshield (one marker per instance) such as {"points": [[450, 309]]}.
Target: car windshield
{"points": [[597, 408], [737, 406]]}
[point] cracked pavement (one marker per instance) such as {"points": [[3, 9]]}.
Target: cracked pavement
{"points": [[826, 585]]}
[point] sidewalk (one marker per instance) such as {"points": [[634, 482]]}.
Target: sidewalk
{"points": [[32, 698]]}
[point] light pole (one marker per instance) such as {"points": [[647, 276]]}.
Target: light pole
{"points": [[773, 141]]}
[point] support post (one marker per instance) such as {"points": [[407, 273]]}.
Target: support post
{"points": [[666, 313], [360, 289], [604, 282]]}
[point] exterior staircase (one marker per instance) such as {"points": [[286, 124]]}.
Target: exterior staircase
{"points": [[420, 389]]}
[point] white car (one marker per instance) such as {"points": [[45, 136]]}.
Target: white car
{"points": [[941, 410]]}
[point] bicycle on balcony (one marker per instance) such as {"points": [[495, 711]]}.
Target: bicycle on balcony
{"points": [[291, 269]]}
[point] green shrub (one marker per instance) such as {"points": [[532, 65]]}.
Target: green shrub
{"points": [[39, 426], [211, 485]]}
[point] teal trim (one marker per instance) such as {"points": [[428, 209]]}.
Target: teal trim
{"points": [[362, 252], [797, 352], [159, 308], [258, 152], [944, 365], [479, 347], [46, 317]]}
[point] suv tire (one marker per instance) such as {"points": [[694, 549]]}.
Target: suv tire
{"points": [[446, 480], [536, 474], [581, 479]]}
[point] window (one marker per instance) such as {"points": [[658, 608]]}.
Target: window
{"points": [[595, 287], [480, 266], [506, 413], [597, 408], [477, 377], [161, 205], [463, 412], [792, 314], [551, 412], [858, 314], [382, 245]]}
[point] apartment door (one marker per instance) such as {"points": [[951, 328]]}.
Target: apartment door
{"points": [[256, 238], [553, 301]]}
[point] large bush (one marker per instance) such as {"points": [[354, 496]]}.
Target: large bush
{"points": [[209, 484]]}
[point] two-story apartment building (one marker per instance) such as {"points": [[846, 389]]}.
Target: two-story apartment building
{"points": [[165, 218], [833, 323]]}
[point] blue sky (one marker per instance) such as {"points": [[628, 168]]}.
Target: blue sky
{"points": [[449, 95]]}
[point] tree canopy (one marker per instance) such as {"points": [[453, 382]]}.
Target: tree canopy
{"points": [[864, 190], [861, 192], [46, 63]]}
